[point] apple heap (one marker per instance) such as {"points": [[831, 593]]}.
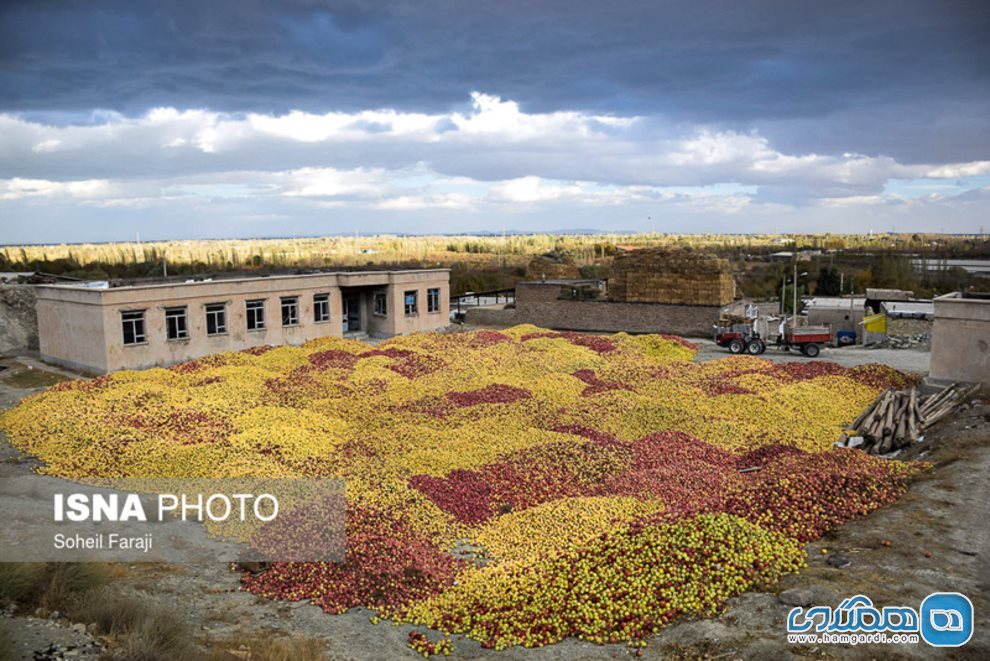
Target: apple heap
{"points": [[621, 586], [599, 478], [420, 643], [596, 385], [410, 364], [387, 564], [880, 377], [596, 343], [559, 524], [806, 495], [497, 393]]}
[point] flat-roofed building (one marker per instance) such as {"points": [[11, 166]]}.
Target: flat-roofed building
{"points": [[137, 326], [961, 339]]}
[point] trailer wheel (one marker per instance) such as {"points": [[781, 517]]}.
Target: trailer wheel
{"points": [[736, 346], [811, 350], [754, 347]]}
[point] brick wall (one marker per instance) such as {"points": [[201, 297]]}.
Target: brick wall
{"points": [[490, 317], [538, 303]]}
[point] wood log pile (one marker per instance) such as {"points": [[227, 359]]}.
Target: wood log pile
{"points": [[898, 418]]}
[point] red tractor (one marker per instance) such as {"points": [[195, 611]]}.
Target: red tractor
{"points": [[739, 338]]}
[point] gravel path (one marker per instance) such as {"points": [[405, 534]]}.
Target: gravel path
{"points": [[905, 360]]}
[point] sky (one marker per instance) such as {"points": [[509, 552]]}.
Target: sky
{"points": [[242, 118]]}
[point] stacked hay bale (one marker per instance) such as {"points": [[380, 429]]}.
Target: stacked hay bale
{"points": [[556, 265], [675, 277]]}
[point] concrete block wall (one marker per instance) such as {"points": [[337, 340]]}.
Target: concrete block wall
{"points": [[961, 338], [491, 317], [538, 303]]}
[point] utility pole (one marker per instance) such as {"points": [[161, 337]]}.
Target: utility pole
{"points": [[794, 309]]}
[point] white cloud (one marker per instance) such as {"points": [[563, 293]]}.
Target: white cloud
{"points": [[956, 170], [453, 201], [330, 182], [533, 189], [46, 146], [491, 159], [18, 188], [855, 200], [708, 148]]}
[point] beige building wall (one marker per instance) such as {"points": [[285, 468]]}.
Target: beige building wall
{"points": [[82, 327], [961, 338], [838, 319], [73, 330]]}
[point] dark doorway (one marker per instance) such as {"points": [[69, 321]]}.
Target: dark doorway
{"points": [[351, 316]]}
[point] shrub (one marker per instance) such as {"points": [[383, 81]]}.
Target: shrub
{"points": [[50, 585], [141, 631]]}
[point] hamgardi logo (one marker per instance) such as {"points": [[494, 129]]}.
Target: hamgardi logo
{"points": [[944, 619]]}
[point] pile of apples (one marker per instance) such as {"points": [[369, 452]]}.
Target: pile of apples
{"points": [[517, 486]]}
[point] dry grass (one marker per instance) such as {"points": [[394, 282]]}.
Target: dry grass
{"points": [[140, 631], [54, 586], [6, 642], [32, 378], [383, 249], [137, 631]]}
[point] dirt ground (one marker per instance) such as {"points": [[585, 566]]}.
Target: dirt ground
{"points": [[933, 539], [905, 360]]}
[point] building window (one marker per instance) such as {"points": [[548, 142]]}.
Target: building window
{"points": [[255, 314], [381, 304], [175, 323], [132, 322], [411, 304], [216, 319], [290, 310], [321, 308], [433, 300]]}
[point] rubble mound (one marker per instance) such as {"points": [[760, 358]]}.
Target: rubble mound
{"points": [[922, 342], [555, 265]]}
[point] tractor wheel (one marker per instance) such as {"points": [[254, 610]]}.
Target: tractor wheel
{"points": [[736, 346], [811, 350], [763, 347], [753, 347]]}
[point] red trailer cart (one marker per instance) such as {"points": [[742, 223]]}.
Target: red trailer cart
{"points": [[808, 339]]}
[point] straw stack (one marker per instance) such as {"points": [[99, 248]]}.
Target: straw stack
{"points": [[676, 277]]}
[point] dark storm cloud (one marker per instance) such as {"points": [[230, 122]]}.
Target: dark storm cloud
{"points": [[906, 78]]}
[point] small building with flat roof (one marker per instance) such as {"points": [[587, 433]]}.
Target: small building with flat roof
{"points": [[843, 315], [961, 339], [137, 326]]}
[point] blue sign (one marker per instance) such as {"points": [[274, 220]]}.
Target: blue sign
{"points": [[946, 619]]}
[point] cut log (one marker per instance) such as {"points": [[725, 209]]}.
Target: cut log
{"points": [[913, 417], [869, 410]]}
